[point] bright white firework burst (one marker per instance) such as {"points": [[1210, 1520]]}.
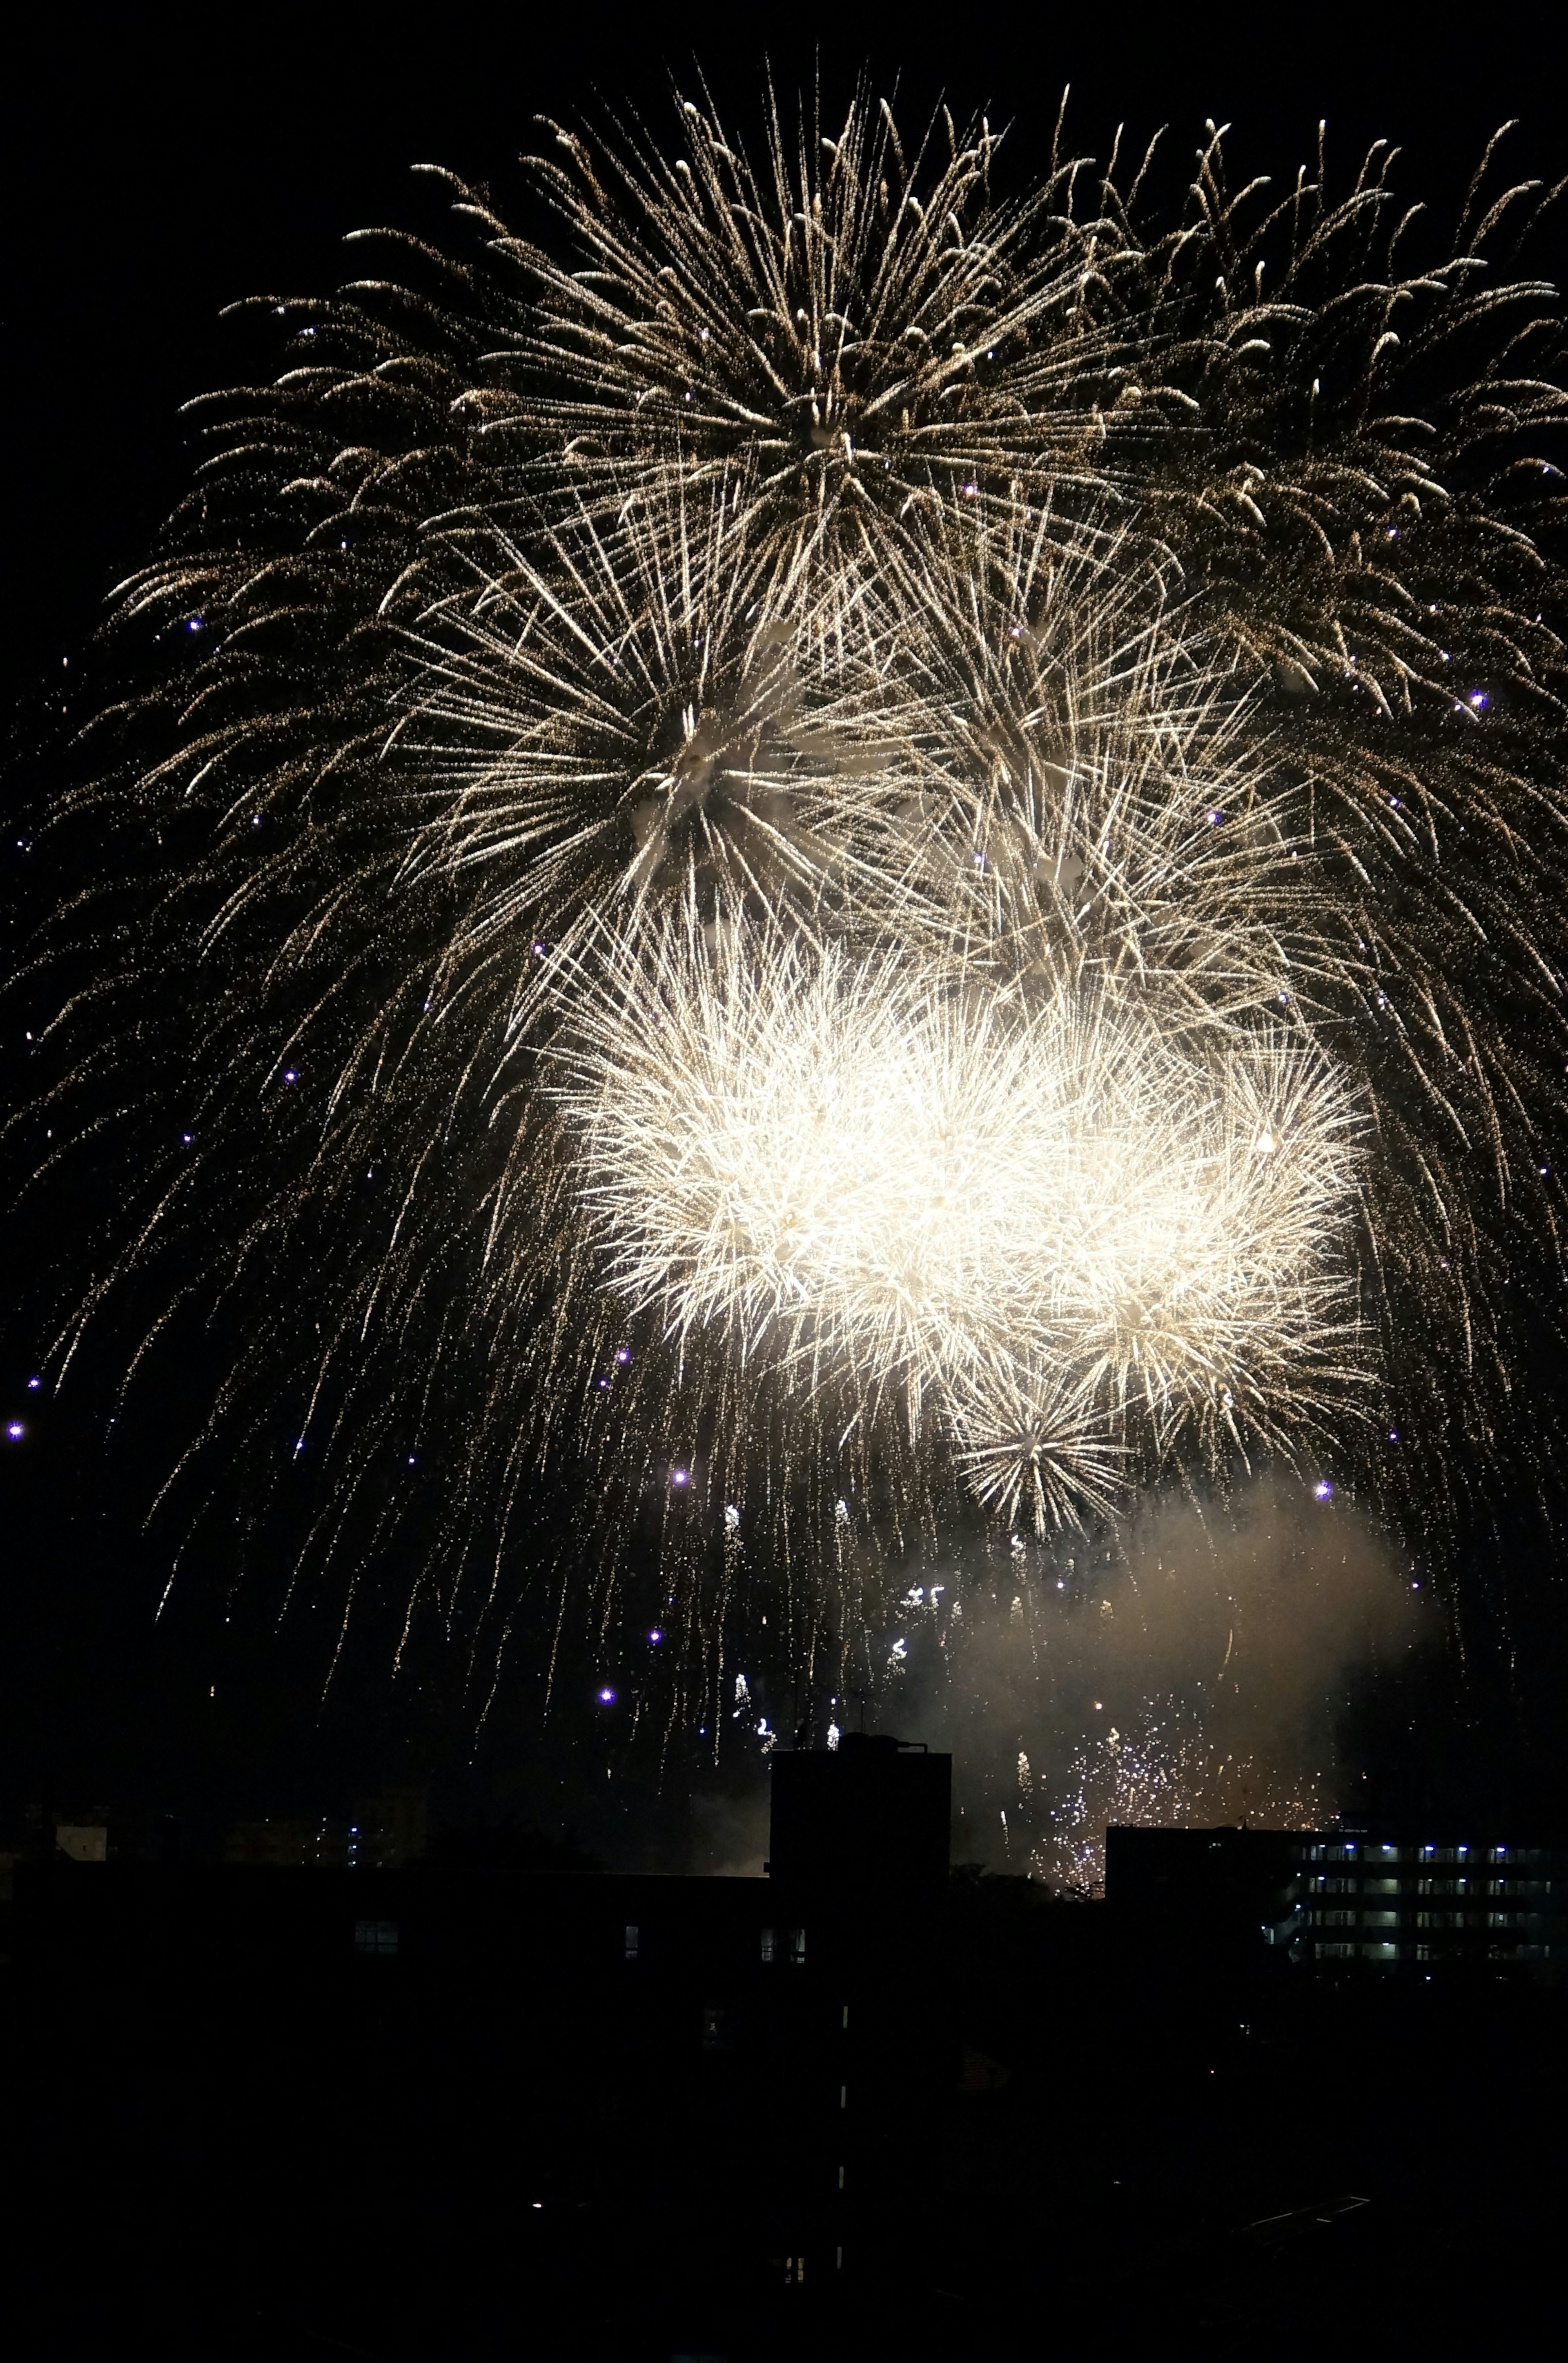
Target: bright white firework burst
{"points": [[1044, 1224]]}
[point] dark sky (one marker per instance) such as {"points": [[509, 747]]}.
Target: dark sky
{"points": [[163, 162]]}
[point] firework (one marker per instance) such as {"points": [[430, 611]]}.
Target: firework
{"points": [[900, 1180], [1164, 1772], [595, 716], [849, 842], [875, 331]]}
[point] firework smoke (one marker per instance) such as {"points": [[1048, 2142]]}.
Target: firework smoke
{"points": [[1196, 1667]]}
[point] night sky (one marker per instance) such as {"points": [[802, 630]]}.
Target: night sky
{"points": [[167, 163]]}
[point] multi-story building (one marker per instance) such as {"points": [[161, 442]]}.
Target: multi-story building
{"points": [[1353, 1891], [1389, 1897]]}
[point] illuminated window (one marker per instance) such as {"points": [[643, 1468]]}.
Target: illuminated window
{"points": [[632, 1942], [785, 1945], [375, 1936]]}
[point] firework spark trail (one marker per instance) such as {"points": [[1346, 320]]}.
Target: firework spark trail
{"points": [[872, 329], [593, 715], [1098, 774], [1076, 691]]}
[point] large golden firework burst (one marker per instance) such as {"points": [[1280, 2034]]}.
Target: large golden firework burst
{"points": [[872, 833]]}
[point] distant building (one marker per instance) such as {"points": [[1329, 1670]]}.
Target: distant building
{"points": [[1350, 1892], [382, 1833], [282, 1844], [1216, 1887], [82, 1841], [1390, 1897], [388, 1831]]}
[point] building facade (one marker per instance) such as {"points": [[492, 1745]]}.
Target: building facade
{"points": [[1350, 1893], [1389, 1898]]}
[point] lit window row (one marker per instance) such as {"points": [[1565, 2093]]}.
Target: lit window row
{"points": [[1327, 1883], [1370, 1852]]}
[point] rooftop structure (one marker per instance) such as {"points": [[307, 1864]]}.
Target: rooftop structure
{"points": [[874, 1807]]}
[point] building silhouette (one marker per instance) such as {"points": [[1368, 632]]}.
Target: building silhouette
{"points": [[860, 2104]]}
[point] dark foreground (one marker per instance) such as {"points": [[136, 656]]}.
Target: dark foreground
{"points": [[240, 2125]]}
